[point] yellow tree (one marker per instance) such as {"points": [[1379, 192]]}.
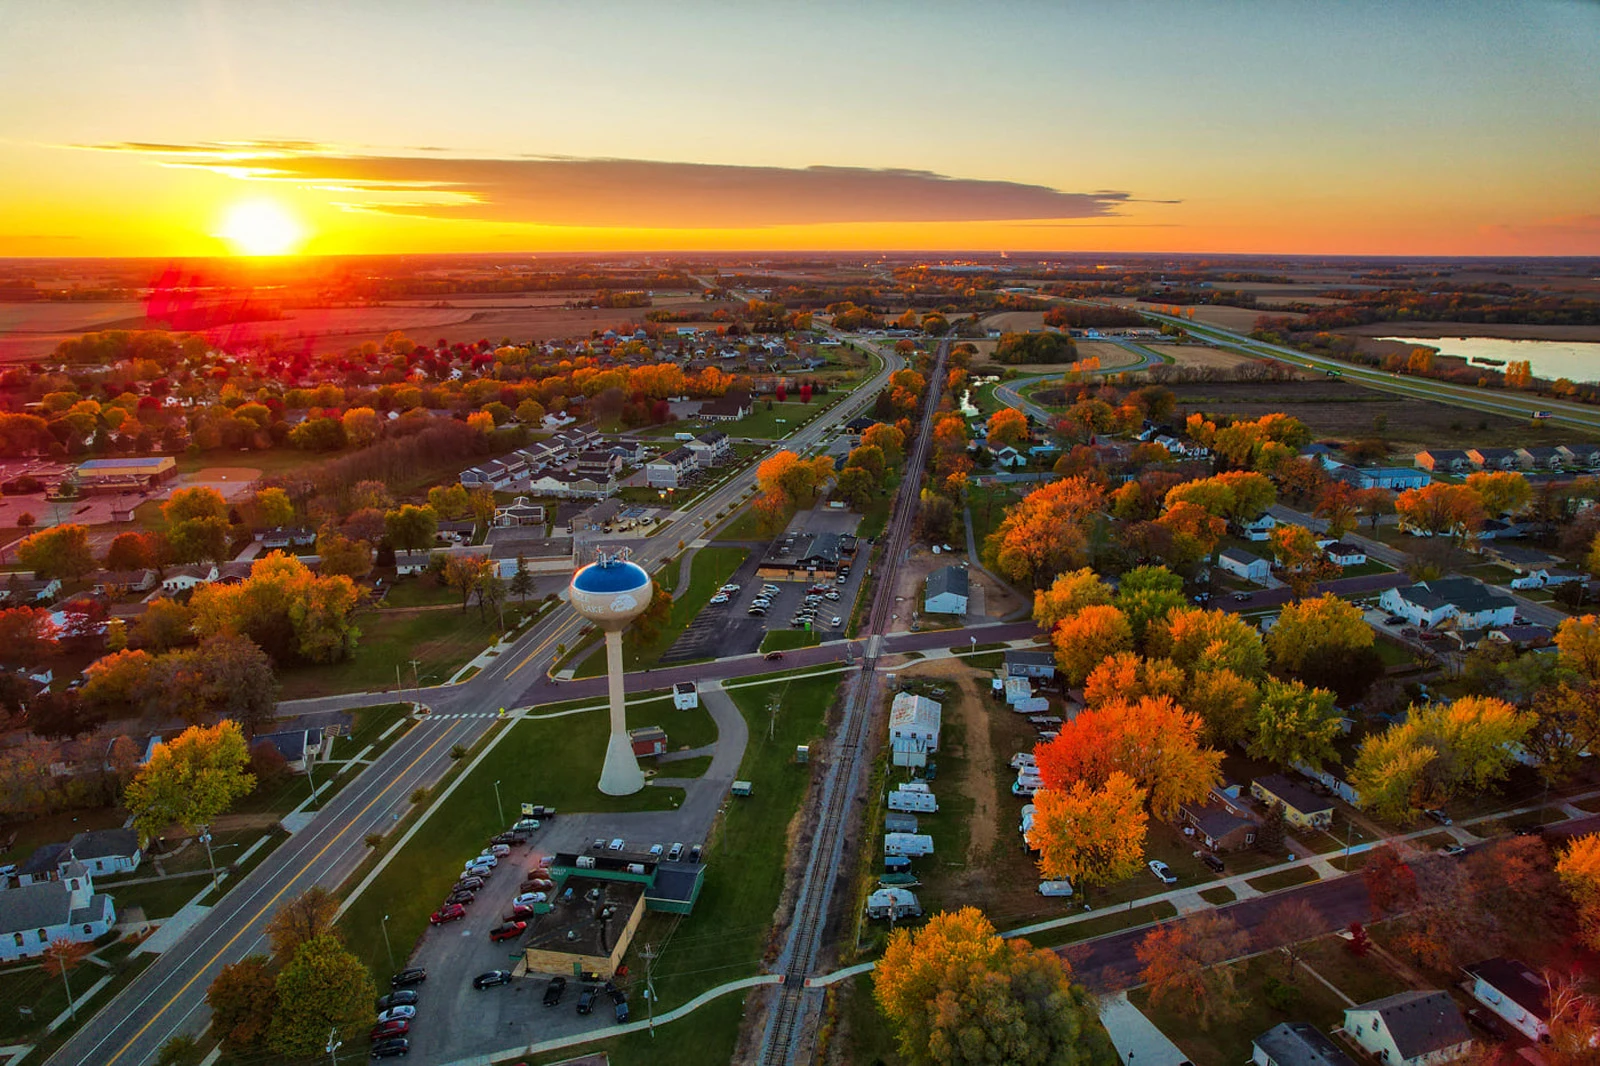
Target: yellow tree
{"points": [[955, 992], [1194, 532], [1440, 509], [1301, 563], [1316, 638], [1127, 676], [1088, 637], [1579, 642], [1295, 725], [190, 780], [1225, 702], [1046, 531], [1068, 594], [1007, 427], [1439, 750], [1091, 836], [1579, 870], [1501, 491], [1197, 639], [1152, 740]]}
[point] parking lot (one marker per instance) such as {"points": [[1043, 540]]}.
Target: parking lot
{"points": [[725, 629]]}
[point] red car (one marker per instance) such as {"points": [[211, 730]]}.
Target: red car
{"points": [[508, 931], [453, 912], [386, 1030], [520, 910]]}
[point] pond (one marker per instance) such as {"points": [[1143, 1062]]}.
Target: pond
{"points": [[1574, 360]]}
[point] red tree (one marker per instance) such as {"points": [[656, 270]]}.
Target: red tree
{"points": [[805, 392], [1391, 884]]}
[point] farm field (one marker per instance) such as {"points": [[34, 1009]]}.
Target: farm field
{"points": [[1015, 321], [1199, 356], [1239, 319]]}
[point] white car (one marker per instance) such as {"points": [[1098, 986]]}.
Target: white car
{"points": [[615, 845], [730, 587], [1162, 872], [499, 851], [836, 621], [477, 868], [719, 598], [396, 1013], [526, 824], [656, 850], [832, 594], [528, 899], [488, 858]]}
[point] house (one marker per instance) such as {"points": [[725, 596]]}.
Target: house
{"points": [[685, 696], [299, 747], [106, 851], [946, 591], [287, 538], [669, 471], [1302, 808], [1218, 825], [565, 485], [520, 512], [1522, 637], [1006, 457], [1021, 662], [1296, 1044], [35, 589], [629, 451], [1515, 993], [1243, 564], [808, 555], [1444, 461], [1539, 457], [1342, 554], [730, 407], [1409, 1028], [914, 723], [598, 464], [1493, 458], [187, 576], [861, 423], [648, 740], [1258, 528], [1580, 456], [67, 908], [43, 865], [711, 448], [122, 582], [1468, 603], [1395, 478], [1549, 577]]}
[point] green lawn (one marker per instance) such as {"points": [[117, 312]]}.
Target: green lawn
{"points": [[442, 640], [286, 794], [1298, 875], [789, 639], [867, 1038], [420, 590], [707, 1035], [1218, 895], [417, 879], [1393, 653], [776, 424], [1366, 569], [747, 526], [695, 767], [1363, 980], [1108, 922], [27, 985], [158, 899], [711, 568]]}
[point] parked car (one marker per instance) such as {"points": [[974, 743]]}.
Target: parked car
{"points": [[1439, 816], [1163, 872], [1213, 862], [621, 1011], [477, 868], [413, 976], [450, 912], [554, 991], [675, 852], [598, 845], [616, 844], [774, 656], [657, 850], [462, 896], [394, 1013], [492, 978], [586, 1000], [694, 853], [833, 595], [1240, 597], [405, 997], [525, 825], [536, 884], [528, 899], [835, 622], [510, 839], [388, 1049], [1455, 851], [489, 858], [757, 611], [1394, 620], [1529, 830], [842, 579], [468, 884], [499, 851], [721, 597], [507, 931], [385, 1030], [520, 911]]}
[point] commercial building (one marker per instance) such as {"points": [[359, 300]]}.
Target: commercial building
{"points": [[914, 724], [130, 474], [947, 591]]}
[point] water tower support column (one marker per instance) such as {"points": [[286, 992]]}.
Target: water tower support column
{"points": [[621, 775]]}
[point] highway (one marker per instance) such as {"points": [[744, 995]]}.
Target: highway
{"points": [[1010, 392], [169, 997]]}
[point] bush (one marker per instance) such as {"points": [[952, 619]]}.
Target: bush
{"points": [[373, 840], [1280, 995], [458, 752]]}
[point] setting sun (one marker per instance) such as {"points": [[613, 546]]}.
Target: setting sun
{"points": [[261, 227]]}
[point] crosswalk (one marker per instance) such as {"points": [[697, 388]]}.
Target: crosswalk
{"points": [[448, 717]]}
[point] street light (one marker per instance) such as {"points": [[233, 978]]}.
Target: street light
{"points": [[334, 1044], [498, 808], [387, 946]]}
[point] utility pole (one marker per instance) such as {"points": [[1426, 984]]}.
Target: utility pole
{"points": [[309, 777], [205, 838], [649, 956], [399, 689], [498, 808], [386, 944]]}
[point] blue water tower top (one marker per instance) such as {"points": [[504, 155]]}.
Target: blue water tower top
{"points": [[615, 575]]}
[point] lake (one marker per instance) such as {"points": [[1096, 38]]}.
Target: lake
{"points": [[1573, 360]]}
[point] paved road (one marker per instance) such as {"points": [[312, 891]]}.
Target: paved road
{"points": [[168, 998], [1010, 392]]}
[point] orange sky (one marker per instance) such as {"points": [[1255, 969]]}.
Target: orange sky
{"points": [[1467, 128]]}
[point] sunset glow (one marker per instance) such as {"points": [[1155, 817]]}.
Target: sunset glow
{"points": [[261, 227]]}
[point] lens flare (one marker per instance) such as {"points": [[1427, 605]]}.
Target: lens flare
{"points": [[261, 227]]}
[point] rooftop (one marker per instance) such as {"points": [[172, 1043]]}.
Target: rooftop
{"points": [[1301, 799], [1299, 1044], [1420, 1022], [593, 919]]}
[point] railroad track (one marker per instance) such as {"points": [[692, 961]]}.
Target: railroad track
{"points": [[786, 1029]]}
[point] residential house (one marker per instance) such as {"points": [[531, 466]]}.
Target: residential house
{"points": [[34, 589], [106, 851], [1394, 478], [729, 407], [1444, 461], [67, 908], [1243, 564], [629, 451], [670, 471], [123, 582], [1342, 554], [1515, 993], [520, 512], [1549, 577], [1522, 637], [43, 865], [1467, 603], [598, 465], [1023, 662], [946, 591], [1580, 456], [299, 747], [1539, 457], [711, 448], [1302, 808], [1218, 824], [1296, 1044], [1258, 528], [1493, 458], [1409, 1028], [187, 576], [287, 538], [914, 724], [1006, 457], [1499, 529]]}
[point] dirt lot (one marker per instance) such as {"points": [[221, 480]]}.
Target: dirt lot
{"points": [[1015, 321], [1198, 355], [230, 481], [1344, 410]]}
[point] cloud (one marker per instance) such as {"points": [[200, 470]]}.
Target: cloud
{"points": [[635, 192]]}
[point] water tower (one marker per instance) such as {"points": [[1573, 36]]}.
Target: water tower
{"points": [[611, 593]]}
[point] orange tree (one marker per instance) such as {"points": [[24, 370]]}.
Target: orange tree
{"points": [[1152, 740], [1579, 870], [1046, 532], [1185, 965], [1007, 427], [1086, 638], [1090, 835]]}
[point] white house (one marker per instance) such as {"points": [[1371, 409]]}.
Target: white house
{"points": [[188, 576], [669, 470], [1514, 992], [1470, 604], [106, 851], [297, 746], [1342, 554], [68, 908], [710, 448], [1024, 662], [947, 591], [913, 729], [1258, 528], [1241, 563], [1409, 1028]]}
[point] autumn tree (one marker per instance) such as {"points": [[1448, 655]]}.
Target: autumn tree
{"points": [[1068, 594], [190, 780], [1127, 676], [165, 624], [1225, 702], [1437, 751], [197, 525], [1336, 505], [270, 508], [1301, 563], [888, 439], [1578, 640], [1186, 966], [463, 573], [1088, 637], [1288, 927], [27, 634], [1295, 725], [60, 552], [449, 501], [1501, 492], [955, 992], [1091, 835], [1152, 740], [1007, 427], [1146, 595], [290, 612], [1579, 871], [1046, 532], [301, 920], [60, 959], [1236, 495], [1515, 888], [1372, 504], [1193, 531], [338, 554], [1198, 640], [1325, 641], [323, 988], [133, 551], [411, 528], [1440, 509], [242, 998]]}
